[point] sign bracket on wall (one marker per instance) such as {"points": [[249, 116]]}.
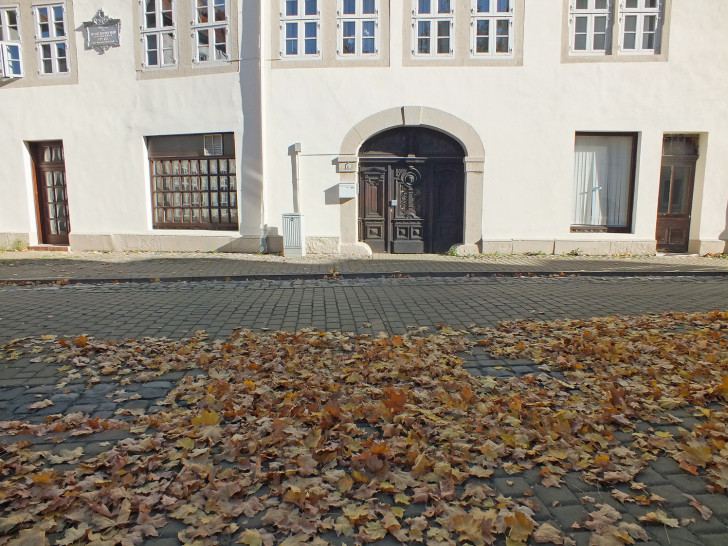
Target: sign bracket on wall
{"points": [[102, 33]]}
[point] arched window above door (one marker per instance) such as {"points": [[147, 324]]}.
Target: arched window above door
{"points": [[411, 142]]}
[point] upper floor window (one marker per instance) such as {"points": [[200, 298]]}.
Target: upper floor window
{"points": [[639, 26], [51, 38], [358, 22], [300, 24], [159, 33], [211, 30], [491, 26], [433, 22], [11, 65], [591, 23]]}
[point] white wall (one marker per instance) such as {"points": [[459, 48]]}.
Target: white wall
{"points": [[103, 121], [526, 116]]}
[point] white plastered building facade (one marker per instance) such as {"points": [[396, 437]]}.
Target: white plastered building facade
{"points": [[551, 126]]}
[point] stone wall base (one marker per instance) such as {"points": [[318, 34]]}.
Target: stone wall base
{"points": [[708, 247], [9, 240], [168, 243], [322, 245], [567, 246]]}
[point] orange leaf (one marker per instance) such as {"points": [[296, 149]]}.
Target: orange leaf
{"points": [[689, 467], [394, 400], [81, 341], [44, 477], [467, 394], [601, 459]]}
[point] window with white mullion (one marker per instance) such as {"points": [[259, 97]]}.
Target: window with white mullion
{"points": [[358, 23], [590, 24], [159, 33], [211, 31], [640, 26], [11, 65], [51, 39], [433, 23], [300, 29], [491, 28]]}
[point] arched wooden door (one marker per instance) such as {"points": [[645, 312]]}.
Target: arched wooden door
{"points": [[411, 191]]}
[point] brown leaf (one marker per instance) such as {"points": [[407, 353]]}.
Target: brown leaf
{"points": [[705, 512], [547, 533], [659, 516], [40, 404]]}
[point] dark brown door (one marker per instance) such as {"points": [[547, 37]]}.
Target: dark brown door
{"points": [[52, 201], [677, 178], [411, 206]]}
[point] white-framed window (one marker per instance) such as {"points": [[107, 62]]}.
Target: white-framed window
{"points": [[491, 28], [159, 33], [300, 29], [211, 30], [51, 38], [358, 28], [590, 23], [433, 22], [603, 181], [640, 26], [11, 62]]}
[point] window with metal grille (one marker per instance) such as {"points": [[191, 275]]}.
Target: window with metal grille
{"points": [[51, 38], [11, 63], [192, 188]]}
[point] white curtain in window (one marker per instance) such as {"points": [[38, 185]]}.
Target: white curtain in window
{"points": [[601, 180]]}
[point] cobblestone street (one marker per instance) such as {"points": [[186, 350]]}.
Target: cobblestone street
{"points": [[394, 305]]}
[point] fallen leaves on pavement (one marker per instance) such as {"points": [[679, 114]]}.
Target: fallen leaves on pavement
{"points": [[307, 437]]}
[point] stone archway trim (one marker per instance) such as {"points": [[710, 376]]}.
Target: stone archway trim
{"points": [[422, 116], [413, 116]]}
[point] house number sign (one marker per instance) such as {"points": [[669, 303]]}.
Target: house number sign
{"points": [[102, 33]]}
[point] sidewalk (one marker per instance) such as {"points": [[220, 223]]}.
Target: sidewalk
{"points": [[46, 267]]}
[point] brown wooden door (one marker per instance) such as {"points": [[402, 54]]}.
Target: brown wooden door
{"points": [[448, 202], [52, 200], [411, 206], [675, 201]]}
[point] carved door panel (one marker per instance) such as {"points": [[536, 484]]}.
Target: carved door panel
{"points": [[52, 201], [411, 206], [447, 205], [410, 192], [373, 207]]}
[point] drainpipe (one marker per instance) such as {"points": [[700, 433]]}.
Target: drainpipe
{"points": [[295, 151]]}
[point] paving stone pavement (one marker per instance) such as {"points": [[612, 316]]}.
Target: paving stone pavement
{"points": [[142, 266], [394, 305]]}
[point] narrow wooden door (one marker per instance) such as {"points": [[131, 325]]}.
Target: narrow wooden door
{"points": [[448, 196], [675, 201], [52, 200]]}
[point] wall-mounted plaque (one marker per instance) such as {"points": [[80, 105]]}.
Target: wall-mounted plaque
{"points": [[102, 33]]}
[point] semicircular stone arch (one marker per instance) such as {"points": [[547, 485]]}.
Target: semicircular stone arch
{"points": [[415, 116]]}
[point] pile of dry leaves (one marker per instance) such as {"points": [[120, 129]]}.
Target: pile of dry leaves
{"points": [[309, 437]]}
